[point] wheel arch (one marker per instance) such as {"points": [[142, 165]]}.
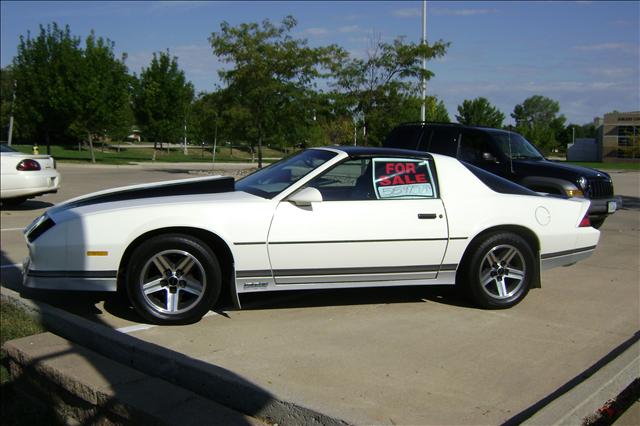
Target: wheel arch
{"points": [[548, 184], [529, 236], [213, 241]]}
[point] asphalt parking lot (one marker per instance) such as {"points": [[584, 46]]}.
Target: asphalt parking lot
{"points": [[388, 356]]}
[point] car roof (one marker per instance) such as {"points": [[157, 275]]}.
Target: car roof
{"points": [[464, 126], [355, 151]]}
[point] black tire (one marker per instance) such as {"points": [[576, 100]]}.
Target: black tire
{"points": [[173, 279], [597, 223], [498, 271]]}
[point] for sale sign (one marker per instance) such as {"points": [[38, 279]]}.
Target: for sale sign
{"points": [[400, 178]]}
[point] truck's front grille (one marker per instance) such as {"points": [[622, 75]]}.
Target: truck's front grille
{"points": [[600, 188]]}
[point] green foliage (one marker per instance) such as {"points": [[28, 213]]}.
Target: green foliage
{"points": [[479, 112], [47, 69], [6, 97], [161, 99], [65, 92], [386, 79], [103, 92], [269, 85], [537, 120]]}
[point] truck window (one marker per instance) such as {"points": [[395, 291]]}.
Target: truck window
{"points": [[443, 140], [473, 145], [404, 137]]}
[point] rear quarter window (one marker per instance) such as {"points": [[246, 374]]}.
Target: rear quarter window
{"points": [[497, 183]]}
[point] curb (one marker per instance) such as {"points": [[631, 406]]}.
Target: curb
{"points": [[209, 381]]}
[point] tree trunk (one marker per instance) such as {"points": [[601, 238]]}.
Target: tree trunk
{"points": [[259, 147], [48, 142], [93, 156]]}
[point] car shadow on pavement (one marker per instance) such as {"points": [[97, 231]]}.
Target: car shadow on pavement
{"points": [[630, 203], [207, 380], [26, 206], [447, 295]]}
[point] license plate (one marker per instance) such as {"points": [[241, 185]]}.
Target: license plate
{"points": [[611, 206]]}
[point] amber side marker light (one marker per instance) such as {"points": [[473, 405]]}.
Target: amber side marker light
{"points": [[97, 253]]}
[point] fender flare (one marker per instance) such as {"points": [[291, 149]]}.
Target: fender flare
{"points": [[559, 185]]}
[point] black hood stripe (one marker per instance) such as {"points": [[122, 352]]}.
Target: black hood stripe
{"points": [[206, 186]]}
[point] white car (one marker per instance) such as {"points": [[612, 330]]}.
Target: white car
{"points": [[24, 176], [324, 218]]}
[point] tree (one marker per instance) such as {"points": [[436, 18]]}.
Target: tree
{"points": [[388, 74], [47, 69], [271, 77], [7, 88], [104, 103], [479, 112], [161, 98], [538, 120]]}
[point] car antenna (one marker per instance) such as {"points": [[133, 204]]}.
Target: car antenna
{"points": [[510, 153]]}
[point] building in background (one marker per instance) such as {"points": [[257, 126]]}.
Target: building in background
{"points": [[619, 136]]}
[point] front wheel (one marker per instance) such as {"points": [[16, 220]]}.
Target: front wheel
{"points": [[173, 279], [500, 270]]}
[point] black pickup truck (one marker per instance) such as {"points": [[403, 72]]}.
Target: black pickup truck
{"points": [[511, 156]]}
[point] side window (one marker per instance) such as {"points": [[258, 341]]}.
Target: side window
{"points": [[350, 180], [472, 146], [400, 178], [444, 140]]}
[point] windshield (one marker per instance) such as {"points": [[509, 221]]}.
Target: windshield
{"points": [[6, 148], [515, 145], [272, 180]]}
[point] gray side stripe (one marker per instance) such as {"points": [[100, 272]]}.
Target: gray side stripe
{"points": [[564, 253]]}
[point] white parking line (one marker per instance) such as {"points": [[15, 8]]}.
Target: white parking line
{"points": [[11, 229], [15, 265], [137, 327]]}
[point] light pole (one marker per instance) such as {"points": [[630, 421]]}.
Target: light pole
{"points": [[13, 101], [423, 108]]}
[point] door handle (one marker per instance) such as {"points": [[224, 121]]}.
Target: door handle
{"points": [[427, 215]]}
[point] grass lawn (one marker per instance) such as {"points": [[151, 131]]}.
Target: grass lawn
{"points": [[128, 154], [15, 323]]}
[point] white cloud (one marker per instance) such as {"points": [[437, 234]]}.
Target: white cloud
{"points": [[462, 12], [349, 29], [606, 47], [408, 13], [316, 31]]}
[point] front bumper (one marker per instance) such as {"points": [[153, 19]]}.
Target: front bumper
{"points": [[604, 206], [69, 280]]}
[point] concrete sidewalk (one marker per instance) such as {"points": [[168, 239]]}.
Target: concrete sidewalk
{"points": [[125, 361]]}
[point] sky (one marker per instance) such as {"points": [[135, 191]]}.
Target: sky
{"points": [[583, 54]]}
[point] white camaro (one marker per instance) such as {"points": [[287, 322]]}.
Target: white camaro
{"points": [[333, 217], [25, 176]]}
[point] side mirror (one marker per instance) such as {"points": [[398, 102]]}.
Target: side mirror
{"points": [[305, 197]]}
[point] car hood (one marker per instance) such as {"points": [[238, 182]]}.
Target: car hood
{"points": [[558, 169], [174, 188]]}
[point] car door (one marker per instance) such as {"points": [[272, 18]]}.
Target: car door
{"points": [[381, 220]]}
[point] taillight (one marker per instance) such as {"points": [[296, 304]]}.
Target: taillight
{"points": [[26, 165], [585, 223]]}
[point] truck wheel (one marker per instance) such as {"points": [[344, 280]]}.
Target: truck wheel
{"points": [[500, 270], [173, 279]]}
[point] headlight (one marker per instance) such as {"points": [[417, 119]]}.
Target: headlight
{"points": [[582, 182]]}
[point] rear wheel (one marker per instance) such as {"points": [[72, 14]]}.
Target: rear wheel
{"points": [[173, 279], [500, 270]]}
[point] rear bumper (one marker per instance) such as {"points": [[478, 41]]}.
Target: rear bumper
{"points": [[565, 258], [30, 185]]}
